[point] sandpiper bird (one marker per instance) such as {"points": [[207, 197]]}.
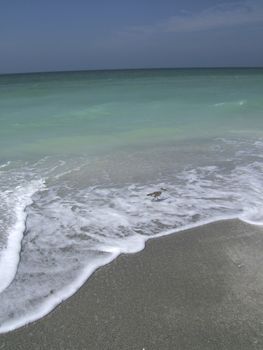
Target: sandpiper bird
{"points": [[156, 194]]}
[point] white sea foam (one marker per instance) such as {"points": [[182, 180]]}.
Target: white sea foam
{"points": [[4, 165], [231, 103], [46, 306], [72, 229], [16, 203]]}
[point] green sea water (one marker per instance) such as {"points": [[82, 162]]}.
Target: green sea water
{"points": [[80, 152], [86, 112]]}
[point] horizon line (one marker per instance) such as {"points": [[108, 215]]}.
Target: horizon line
{"points": [[129, 69]]}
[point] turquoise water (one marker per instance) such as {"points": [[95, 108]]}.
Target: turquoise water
{"points": [[85, 112], [80, 151]]}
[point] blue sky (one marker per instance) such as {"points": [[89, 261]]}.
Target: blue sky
{"points": [[52, 35]]}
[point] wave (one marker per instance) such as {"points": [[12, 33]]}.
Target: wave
{"points": [[231, 103], [5, 165], [16, 203], [74, 229], [57, 298]]}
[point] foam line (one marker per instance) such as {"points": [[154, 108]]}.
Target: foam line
{"points": [[112, 220], [9, 258], [133, 245], [57, 298]]}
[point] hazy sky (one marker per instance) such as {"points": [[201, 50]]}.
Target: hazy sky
{"points": [[44, 35]]}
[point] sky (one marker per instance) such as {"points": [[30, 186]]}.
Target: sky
{"points": [[54, 35]]}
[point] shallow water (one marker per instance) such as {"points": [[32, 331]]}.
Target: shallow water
{"points": [[79, 152]]}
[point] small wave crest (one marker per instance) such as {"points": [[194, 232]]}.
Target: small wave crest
{"points": [[231, 103], [5, 165], [15, 201]]}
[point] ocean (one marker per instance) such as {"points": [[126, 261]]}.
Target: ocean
{"points": [[80, 151]]}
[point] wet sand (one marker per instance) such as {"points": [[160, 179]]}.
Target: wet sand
{"points": [[197, 289]]}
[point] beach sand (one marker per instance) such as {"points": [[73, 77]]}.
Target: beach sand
{"points": [[197, 289]]}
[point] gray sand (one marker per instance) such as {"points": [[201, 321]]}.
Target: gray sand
{"points": [[199, 289]]}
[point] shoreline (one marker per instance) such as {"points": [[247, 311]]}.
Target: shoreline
{"points": [[83, 278], [196, 289]]}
